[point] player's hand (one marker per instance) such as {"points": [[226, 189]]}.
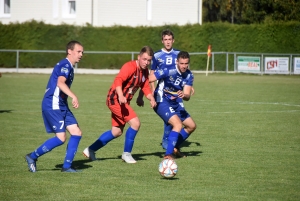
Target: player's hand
{"points": [[122, 100], [75, 102], [153, 103], [140, 102], [192, 91], [180, 94]]}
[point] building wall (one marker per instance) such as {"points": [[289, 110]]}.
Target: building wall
{"points": [[175, 12], [105, 12], [49, 11]]}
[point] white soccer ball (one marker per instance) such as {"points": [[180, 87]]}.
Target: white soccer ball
{"points": [[168, 168]]}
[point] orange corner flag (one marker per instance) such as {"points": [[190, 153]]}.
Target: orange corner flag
{"points": [[208, 56], [209, 51]]}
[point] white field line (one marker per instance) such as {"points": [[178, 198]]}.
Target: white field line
{"points": [[249, 112], [248, 103], [234, 112], [252, 103]]}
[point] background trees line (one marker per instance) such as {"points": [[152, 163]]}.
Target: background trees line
{"points": [[250, 11]]}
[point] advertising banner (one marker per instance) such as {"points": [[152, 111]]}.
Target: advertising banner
{"points": [[248, 64], [277, 65], [297, 65]]}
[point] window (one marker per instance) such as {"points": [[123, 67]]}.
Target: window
{"points": [[69, 9], [5, 8], [72, 7]]}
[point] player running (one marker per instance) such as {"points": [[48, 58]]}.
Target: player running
{"points": [[132, 76], [174, 85], [164, 58], [56, 113]]}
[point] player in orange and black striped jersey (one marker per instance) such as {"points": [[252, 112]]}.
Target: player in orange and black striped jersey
{"points": [[132, 76]]}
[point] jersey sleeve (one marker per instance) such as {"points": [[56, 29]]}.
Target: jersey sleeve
{"points": [[190, 79], [63, 69], [160, 73], [164, 72], [124, 73], [154, 64]]}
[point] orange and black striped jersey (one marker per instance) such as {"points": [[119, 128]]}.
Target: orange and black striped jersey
{"points": [[130, 77]]}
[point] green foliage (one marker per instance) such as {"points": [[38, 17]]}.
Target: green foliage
{"points": [[270, 37], [249, 12], [245, 147]]}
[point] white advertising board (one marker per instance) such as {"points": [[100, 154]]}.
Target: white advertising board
{"points": [[248, 64], [277, 65], [297, 65]]}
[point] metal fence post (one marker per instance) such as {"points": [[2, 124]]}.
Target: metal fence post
{"points": [[212, 62], [262, 64], [17, 60], [234, 62], [226, 62], [291, 61]]}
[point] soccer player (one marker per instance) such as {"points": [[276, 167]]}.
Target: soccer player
{"points": [[132, 76], [174, 84], [56, 113], [164, 58]]}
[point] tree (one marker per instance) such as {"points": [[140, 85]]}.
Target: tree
{"points": [[254, 11]]}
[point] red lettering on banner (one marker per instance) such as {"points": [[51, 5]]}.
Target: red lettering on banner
{"points": [[272, 64], [252, 64]]}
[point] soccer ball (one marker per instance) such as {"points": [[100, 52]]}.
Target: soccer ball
{"points": [[168, 168]]}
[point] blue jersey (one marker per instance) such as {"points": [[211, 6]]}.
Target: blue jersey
{"points": [[54, 98], [164, 59], [170, 81]]}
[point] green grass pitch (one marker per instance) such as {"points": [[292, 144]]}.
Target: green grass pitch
{"points": [[246, 145]]}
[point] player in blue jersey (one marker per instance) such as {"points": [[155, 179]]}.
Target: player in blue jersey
{"points": [[174, 85], [164, 58], [56, 113]]}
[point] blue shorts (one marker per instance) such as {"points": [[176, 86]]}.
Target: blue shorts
{"points": [[56, 121], [167, 109]]}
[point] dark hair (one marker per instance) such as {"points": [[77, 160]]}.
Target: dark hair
{"points": [[71, 44], [183, 55], [167, 32], [148, 50]]}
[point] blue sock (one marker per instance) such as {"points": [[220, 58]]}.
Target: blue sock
{"points": [[102, 141], [172, 142], [129, 139], [183, 135], [167, 130], [46, 147], [71, 150]]}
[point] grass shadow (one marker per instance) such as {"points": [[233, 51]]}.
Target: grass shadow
{"points": [[173, 178], [188, 143], [79, 164], [83, 164], [161, 155], [5, 111]]}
